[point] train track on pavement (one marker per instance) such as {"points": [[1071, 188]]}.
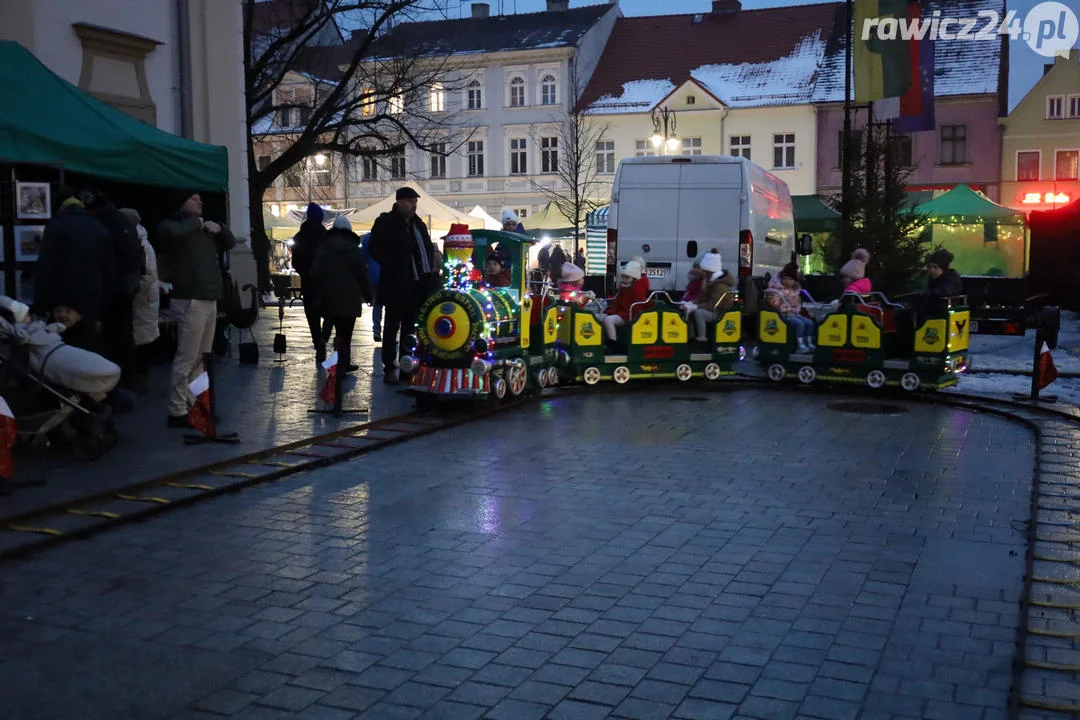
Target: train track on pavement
{"points": [[1048, 637]]}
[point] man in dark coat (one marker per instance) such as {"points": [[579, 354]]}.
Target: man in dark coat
{"points": [[74, 268], [408, 273], [306, 244], [129, 261], [341, 270]]}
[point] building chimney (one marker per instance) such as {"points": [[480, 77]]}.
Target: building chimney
{"points": [[557, 5], [480, 10], [721, 8]]}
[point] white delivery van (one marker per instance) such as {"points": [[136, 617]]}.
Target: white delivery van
{"points": [[671, 210]]}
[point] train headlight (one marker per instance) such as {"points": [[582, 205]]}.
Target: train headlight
{"points": [[408, 363], [480, 366], [480, 345]]}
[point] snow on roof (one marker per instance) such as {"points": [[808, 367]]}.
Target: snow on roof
{"points": [[784, 81], [637, 96]]}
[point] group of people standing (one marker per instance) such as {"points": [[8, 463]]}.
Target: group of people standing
{"points": [[394, 269]]}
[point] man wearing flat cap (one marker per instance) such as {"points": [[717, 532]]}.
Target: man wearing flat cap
{"points": [[191, 247], [408, 273]]}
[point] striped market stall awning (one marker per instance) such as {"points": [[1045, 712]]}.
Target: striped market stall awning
{"points": [[596, 242]]}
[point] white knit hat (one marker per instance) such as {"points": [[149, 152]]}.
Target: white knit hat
{"points": [[711, 263], [510, 216], [631, 269], [571, 273]]}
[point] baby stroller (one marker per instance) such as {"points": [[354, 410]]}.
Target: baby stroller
{"points": [[55, 390]]}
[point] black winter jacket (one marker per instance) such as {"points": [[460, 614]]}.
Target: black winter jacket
{"points": [[341, 270], [394, 247], [75, 265]]}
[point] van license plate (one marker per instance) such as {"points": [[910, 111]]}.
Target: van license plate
{"points": [[655, 272], [974, 326]]}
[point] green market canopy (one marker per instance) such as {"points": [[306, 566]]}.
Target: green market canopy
{"points": [[45, 120], [987, 239], [812, 215]]}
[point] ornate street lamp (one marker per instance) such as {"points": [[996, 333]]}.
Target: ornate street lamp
{"points": [[664, 118]]}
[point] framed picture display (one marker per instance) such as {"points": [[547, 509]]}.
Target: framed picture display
{"points": [[28, 242], [33, 201], [24, 285]]}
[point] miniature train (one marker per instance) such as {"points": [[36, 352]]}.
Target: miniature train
{"points": [[478, 342]]}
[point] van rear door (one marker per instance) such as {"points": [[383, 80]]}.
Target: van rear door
{"points": [[648, 207], [711, 202]]}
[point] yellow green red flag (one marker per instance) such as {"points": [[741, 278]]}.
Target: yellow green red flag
{"points": [[881, 46]]}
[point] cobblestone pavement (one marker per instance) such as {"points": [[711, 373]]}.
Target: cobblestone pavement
{"points": [[582, 557], [267, 404]]}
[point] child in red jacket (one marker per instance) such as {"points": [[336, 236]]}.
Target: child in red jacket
{"points": [[631, 291]]}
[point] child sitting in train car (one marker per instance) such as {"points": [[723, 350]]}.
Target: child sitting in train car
{"points": [[716, 294], [695, 278], [631, 292], [784, 296], [571, 284], [497, 268], [643, 281], [853, 273]]}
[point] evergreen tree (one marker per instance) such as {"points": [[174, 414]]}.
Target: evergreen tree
{"points": [[884, 220]]}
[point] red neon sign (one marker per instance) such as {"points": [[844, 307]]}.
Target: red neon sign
{"points": [[1035, 198]]}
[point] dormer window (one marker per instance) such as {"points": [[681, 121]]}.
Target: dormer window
{"points": [[1055, 107], [691, 100]]}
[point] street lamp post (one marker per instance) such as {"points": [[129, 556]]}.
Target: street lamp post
{"points": [[664, 118]]}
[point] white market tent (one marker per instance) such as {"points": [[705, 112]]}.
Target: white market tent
{"points": [[436, 215], [490, 223]]}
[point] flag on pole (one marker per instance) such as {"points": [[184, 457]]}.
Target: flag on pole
{"points": [[917, 104], [1047, 370], [7, 439], [200, 417], [880, 54], [328, 393]]}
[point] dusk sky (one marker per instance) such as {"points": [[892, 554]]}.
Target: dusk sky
{"points": [[1025, 65]]}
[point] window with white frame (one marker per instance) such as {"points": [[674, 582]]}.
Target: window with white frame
{"points": [[522, 213], [395, 104], [294, 177], [691, 146], [691, 99], [475, 157], [1055, 107], [437, 98], [438, 160], [322, 170], [548, 89], [367, 103], [397, 164], [1066, 164], [1074, 106], [643, 148], [263, 162], [605, 157], [784, 151], [953, 149], [740, 146], [474, 95], [519, 153], [549, 154], [285, 116], [1027, 164], [517, 92]]}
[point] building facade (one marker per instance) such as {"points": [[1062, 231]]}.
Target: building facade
{"points": [[174, 64], [970, 94], [1040, 155], [739, 82]]}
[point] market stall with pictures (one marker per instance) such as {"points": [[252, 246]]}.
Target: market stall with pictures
{"points": [[55, 136]]}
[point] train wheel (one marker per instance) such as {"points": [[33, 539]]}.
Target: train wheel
{"points": [[776, 372], [910, 381], [875, 379], [684, 372], [712, 371], [553, 377], [591, 375], [541, 377], [621, 374], [807, 374], [498, 388], [517, 378]]}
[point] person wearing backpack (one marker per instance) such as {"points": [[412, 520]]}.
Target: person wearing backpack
{"points": [[306, 243]]}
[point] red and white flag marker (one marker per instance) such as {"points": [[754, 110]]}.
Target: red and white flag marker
{"points": [[200, 416], [7, 439], [328, 393]]}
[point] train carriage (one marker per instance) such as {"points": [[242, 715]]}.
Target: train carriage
{"points": [[657, 344], [863, 342]]}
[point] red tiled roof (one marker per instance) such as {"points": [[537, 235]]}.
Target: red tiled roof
{"points": [[671, 46]]}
